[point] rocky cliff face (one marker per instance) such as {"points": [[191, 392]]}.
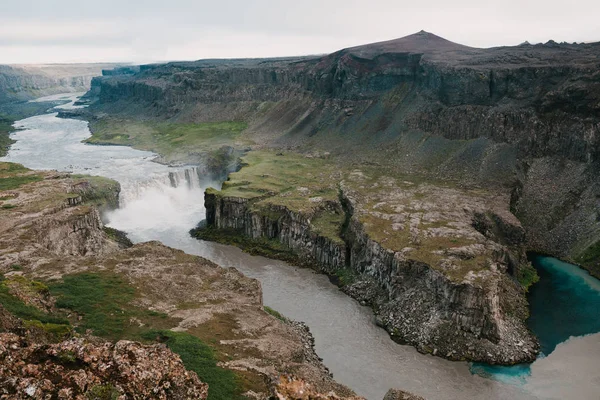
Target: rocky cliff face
{"points": [[91, 368], [479, 316], [286, 227]]}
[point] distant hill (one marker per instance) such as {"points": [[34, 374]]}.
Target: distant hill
{"points": [[25, 82]]}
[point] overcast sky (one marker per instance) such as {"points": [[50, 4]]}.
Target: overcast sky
{"points": [[43, 31]]}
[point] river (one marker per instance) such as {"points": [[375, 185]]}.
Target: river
{"points": [[360, 354]]}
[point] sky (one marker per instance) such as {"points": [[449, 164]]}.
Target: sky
{"points": [[60, 31]]}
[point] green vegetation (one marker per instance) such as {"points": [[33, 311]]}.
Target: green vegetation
{"points": [[57, 326], [289, 178], [102, 392], [14, 175], [329, 224], [5, 140], [590, 259], [169, 139], [200, 358], [104, 302], [527, 275], [98, 190], [276, 314], [118, 236], [56, 331], [344, 276]]}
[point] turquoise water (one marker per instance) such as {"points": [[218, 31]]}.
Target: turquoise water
{"points": [[564, 303]]}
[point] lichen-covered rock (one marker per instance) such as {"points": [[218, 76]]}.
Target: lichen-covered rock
{"points": [[292, 388], [82, 367], [395, 394]]}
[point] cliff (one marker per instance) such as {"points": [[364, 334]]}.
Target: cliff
{"points": [[26, 82], [434, 262], [419, 105]]}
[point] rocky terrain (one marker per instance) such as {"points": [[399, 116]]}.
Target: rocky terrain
{"points": [[87, 316], [434, 261]]}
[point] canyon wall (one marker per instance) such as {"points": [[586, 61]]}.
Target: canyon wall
{"points": [[26, 82], [415, 303], [427, 105]]}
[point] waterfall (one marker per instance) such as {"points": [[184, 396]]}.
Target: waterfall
{"points": [[189, 175], [187, 178]]}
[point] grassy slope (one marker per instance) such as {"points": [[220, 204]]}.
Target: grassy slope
{"points": [[102, 302], [5, 140], [174, 141], [274, 180], [14, 175]]}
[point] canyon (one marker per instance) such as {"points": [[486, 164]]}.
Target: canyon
{"points": [[416, 174], [435, 166]]}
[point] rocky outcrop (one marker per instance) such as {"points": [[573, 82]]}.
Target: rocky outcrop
{"points": [[291, 388], [82, 368], [480, 317], [286, 227], [395, 394], [423, 307]]}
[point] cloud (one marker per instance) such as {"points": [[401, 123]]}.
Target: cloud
{"points": [[153, 30]]}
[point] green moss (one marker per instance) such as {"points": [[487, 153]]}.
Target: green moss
{"points": [[591, 255], [104, 303], [66, 357], [527, 275], [329, 224], [344, 276], [200, 358], [57, 331], [102, 392], [24, 311], [285, 179], [13, 175], [118, 236], [275, 313]]}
